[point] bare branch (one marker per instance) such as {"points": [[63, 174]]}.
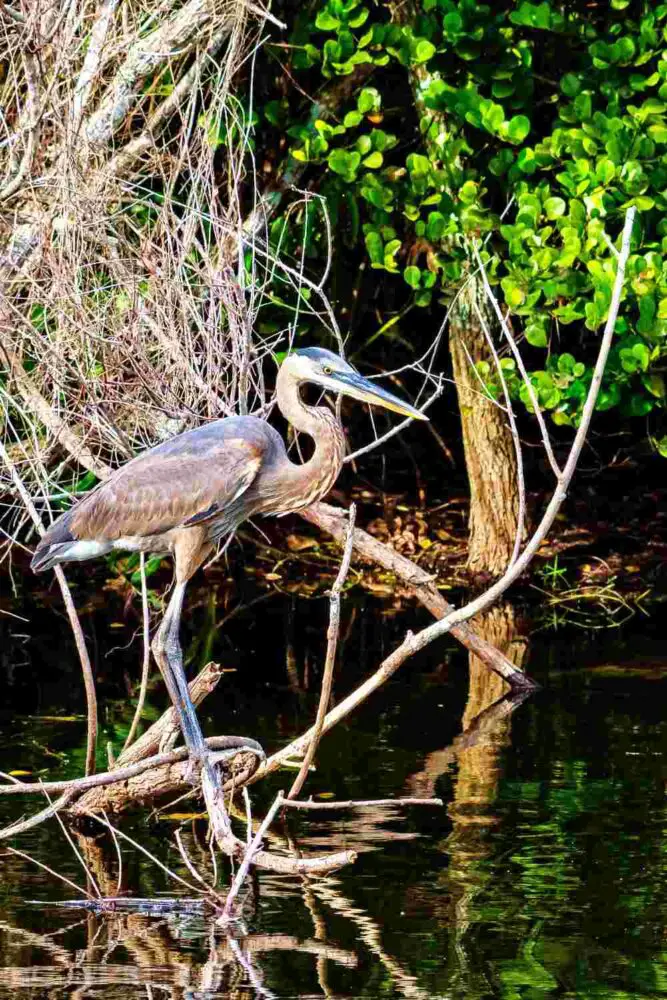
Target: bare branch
{"points": [[75, 624], [332, 520], [32, 126], [330, 659], [40, 817], [310, 804], [251, 851], [146, 660], [491, 595], [92, 61], [176, 36]]}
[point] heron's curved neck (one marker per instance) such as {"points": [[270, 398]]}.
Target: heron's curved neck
{"points": [[321, 470]]}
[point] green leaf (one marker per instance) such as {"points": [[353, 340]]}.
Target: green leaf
{"points": [[344, 163], [501, 162], [326, 21], [554, 208], [661, 445], [424, 50], [518, 128], [369, 100], [352, 119], [658, 133], [468, 193], [373, 161], [536, 335], [605, 171], [583, 106], [452, 23], [643, 355], [359, 18], [374, 246], [655, 384], [514, 296], [435, 227], [526, 161], [412, 275], [570, 84]]}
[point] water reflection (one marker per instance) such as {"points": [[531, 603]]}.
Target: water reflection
{"points": [[145, 952], [544, 876]]}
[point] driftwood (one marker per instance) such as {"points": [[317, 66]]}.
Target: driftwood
{"points": [[157, 783]]}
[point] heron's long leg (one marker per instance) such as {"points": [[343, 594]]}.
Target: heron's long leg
{"points": [[167, 651], [190, 549]]}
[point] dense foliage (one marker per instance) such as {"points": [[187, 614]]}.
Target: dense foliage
{"points": [[527, 128]]}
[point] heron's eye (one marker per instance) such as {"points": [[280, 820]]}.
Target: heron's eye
{"points": [[327, 371]]}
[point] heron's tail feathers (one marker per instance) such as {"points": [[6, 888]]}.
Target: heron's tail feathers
{"points": [[52, 546], [48, 556]]}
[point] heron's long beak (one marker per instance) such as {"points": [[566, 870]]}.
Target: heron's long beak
{"points": [[355, 385]]}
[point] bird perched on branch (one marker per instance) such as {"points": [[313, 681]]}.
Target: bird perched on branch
{"points": [[183, 496]]}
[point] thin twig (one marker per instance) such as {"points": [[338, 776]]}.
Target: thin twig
{"points": [[187, 861], [51, 871], [332, 644], [77, 853], [252, 849], [360, 803], [397, 429], [146, 664], [156, 861], [333, 520], [504, 325], [112, 777], [119, 855], [20, 826], [75, 624]]}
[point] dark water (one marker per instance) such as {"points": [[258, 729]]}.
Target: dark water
{"points": [[544, 875]]}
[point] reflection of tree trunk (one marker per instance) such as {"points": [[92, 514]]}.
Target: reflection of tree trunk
{"points": [[479, 771], [479, 765], [487, 441]]}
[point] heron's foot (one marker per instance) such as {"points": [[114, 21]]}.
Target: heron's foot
{"points": [[227, 747], [237, 744]]}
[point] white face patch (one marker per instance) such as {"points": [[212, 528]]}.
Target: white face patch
{"points": [[305, 370]]}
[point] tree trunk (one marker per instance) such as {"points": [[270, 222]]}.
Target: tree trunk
{"points": [[487, 443], [489, 452]]}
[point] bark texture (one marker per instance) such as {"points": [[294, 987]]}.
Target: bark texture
{"points": [[487, 442]]}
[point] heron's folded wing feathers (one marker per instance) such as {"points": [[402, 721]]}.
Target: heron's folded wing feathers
{"points": [[157, 492]]}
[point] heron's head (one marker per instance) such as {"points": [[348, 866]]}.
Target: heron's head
{"points": [[333, 373]]}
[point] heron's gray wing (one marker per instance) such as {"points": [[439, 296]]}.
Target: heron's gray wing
{"points": [[165, 489]]}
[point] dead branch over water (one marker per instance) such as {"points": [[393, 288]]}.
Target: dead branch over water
{"points": [[330, 658]]}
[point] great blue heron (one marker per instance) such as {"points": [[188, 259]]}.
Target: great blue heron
{"points": [[185, 495]]}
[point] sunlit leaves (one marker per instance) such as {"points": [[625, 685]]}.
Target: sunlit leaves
{"points": [[556, 119]]}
